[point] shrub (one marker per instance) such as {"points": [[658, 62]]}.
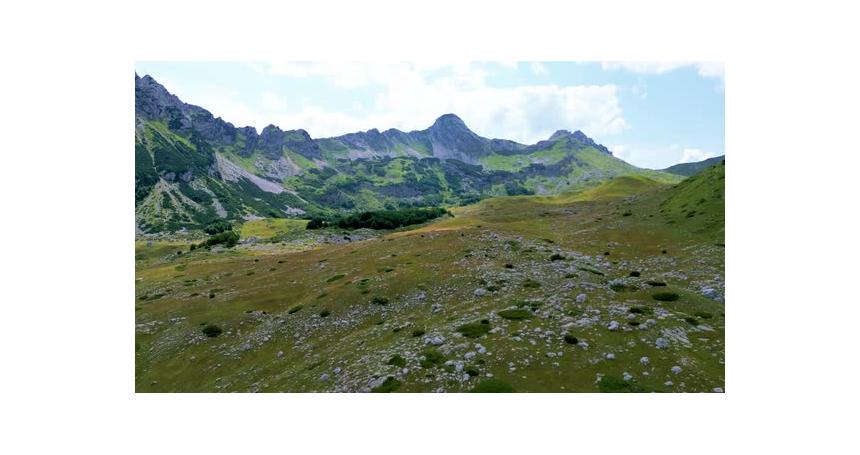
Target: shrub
{"points": [[556, 257], [418, 332], [397, 360], [639, 309], [614, 384], [212, 330], [509, 266], [590, 270], [691, 320], [379, 301], [324, 313], [217, 227], [432, 358], [665, 296], [485, 321], [295, 309], [493, 386], [531, 284], [634, 323], [389, 385], [472, 371], [703, 314], [627, 213], [570, 339], [474, 330], [655, 283], [515, 315], [335, 278], [228, 238], [634, 273]]}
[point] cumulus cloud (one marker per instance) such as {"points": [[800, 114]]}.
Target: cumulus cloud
{"points": [[410, 96], [538, 68], [705, 69], [691, 155]]}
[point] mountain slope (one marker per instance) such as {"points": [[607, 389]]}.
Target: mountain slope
{"points": [[192, 168], [690, 169]]}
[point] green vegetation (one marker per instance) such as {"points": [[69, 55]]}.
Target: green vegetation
{"points": [[389, 385], [432, 358], [212, 330], [493, 386], [295, 309], [570, 339], [665, 296], [474, 330], [515, 315], [382, 219], [397, 360]]}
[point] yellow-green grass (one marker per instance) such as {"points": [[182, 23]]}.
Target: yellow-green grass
{"points": [[270, 227]]}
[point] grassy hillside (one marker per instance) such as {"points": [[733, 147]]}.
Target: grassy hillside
{"points": [[529, 293]]}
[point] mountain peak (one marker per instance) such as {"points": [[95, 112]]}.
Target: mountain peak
{"points": [[559, 134], [449, 120]]}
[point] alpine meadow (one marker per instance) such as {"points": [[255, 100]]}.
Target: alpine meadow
{"points": [[429, 260]]}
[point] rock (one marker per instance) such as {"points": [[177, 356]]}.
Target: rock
{"points": [[718, 390], [610, 356], [644, 360], [337, 370], [480, 292], [324, 377], [627, 376], [280, 354], [675, 369], [662, 343], [711, 293], [470, 355], [436, 341], [668, 383], [581, 298], [481, 349], [613, 326]]}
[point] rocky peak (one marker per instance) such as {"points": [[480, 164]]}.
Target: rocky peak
{"points": [[559, 134], [449, 121]]}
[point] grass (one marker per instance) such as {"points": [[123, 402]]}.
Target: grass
{"points": [[379, 301], [493, 385], [271, 227], [432, 358], [515, 315], [474, 329], [530, 284], [614, 384]]}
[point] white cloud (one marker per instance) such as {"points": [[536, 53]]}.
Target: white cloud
{"points": [[691, 155], [705, 69], [411, 96], [640, 90], [539, 69]]}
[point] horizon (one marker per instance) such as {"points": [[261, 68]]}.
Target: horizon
{"points": [[645, 113]]}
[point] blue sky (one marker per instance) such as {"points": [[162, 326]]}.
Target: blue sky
{"points": [[651, 114]]}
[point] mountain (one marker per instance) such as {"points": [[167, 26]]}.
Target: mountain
{"points": [[192, 168], [690, 169]]}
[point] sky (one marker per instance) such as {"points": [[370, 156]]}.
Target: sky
{"points": [[650, 114]]}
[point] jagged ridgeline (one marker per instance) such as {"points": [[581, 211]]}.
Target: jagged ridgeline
{"points": [[192, 168]]}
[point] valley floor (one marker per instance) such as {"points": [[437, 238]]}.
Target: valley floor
{"points": [[533, 294]]}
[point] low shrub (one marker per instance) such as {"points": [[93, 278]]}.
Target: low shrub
{"points": [[531, 284], [212, 330], [635, 273], [295, 309], [397, 360], [335, 278], [324, 313], [515, 315], [432, 358], [692, 321], [640, 309], [655, 283], [474, 330], [570, 339], [379, 300], [418, 332], [665, 296], [493, 386], [389, 385], [704, 315], [556, 257]]}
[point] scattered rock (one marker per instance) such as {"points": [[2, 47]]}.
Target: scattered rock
{"points": [[662, 343], [581, 298], [480, 292], [324, 377], [718, 390], [610, 356], [644, 361], [675, 369], [613, 326]]}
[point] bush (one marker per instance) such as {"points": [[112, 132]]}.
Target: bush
{"points": [[704, 315], [295, 309], [692, 321], [212, 330], [655, 283], [614, 384], [335, 278], [379, 301], [639, 309], [432, 358], [634, 274], [493, 386], [389, 385], [531, 284], [509, 266], [324, 313], [397, 360], [556, 257], [590, 270], [665, 296], [418, 332], [570, 339], [515, 315], [228, 238], [381, 219], [472, 371], [217, 227], [474, 330]]}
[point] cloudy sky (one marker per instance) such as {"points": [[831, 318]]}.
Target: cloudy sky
{"points": [[650, 114]]}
